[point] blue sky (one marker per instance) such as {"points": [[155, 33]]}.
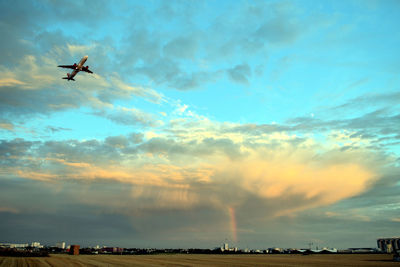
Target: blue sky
{"points": [[203, 121]]}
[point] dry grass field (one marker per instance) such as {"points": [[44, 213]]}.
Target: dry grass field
{"points": [[203, 260]]}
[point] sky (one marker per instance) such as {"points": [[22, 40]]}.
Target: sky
{"points": [[256, 123]]}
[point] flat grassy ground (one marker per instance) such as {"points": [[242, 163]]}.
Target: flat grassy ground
{"points": [[204, 260]]}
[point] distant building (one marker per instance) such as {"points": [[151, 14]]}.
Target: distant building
{"points": [[74, 250], [19, 245], [60, 245], [225, 247], [11, 245], [362, 250], [275, 250], [112, 250], [389, 245], [36, 245], [331, 250]]}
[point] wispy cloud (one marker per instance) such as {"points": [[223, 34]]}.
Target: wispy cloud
{"points": [[35, 87], [7, 209]]}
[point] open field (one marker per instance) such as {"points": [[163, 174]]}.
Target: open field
{"points": [[204, 260]]}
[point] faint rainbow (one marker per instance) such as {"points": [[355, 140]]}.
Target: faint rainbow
{"points": [[233, 223]]}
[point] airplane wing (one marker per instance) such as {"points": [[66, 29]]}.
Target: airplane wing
{"points": [[67, 66], [87, 70]]}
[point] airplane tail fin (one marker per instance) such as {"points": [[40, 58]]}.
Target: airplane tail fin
{"points": [[68, 77]]}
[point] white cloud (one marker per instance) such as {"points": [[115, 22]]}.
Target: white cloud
{"points": [[80, 50]]}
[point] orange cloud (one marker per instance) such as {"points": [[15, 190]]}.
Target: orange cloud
{"points": [[7, 126], [72, 164], [281, 177], [10, 82], [39, 176]]}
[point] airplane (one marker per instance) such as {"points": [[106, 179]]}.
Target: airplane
{"points": [[76, 68]]}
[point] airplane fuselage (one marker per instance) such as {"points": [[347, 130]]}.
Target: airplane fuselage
{"points": [[78, 67]]}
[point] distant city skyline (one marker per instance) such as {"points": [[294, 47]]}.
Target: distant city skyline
{"points": [[223, 247], [264, 123]]}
